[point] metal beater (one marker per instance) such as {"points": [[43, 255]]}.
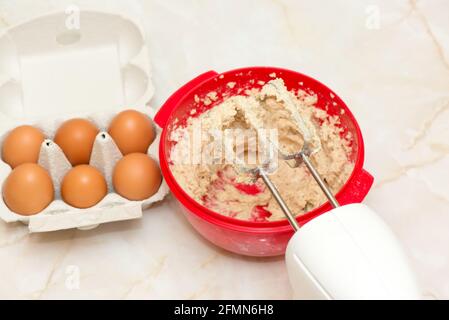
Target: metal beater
{"points": [[303, 156]]}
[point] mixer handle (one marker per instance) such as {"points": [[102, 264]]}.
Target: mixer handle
{"points": [[349, 253]]}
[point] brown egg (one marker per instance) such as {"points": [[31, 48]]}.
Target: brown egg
{"points": [[132, 131], [22, 145], [76, 138], [83, 186], [28, 189], [136, 176]]}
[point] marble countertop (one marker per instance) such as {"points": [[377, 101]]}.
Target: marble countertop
{"points": [[389, 60]]}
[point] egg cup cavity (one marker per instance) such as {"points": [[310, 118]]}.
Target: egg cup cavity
{"points": [[35, 89]]}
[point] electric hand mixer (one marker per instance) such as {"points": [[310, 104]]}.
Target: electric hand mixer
{"points": [[346, 253]]}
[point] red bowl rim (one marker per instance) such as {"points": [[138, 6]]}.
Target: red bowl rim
{"points": [[244, 225]]}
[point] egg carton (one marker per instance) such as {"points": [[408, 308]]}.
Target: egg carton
{"points": [[51, 72]]}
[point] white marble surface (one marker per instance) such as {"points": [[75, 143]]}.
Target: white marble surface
{"points": [[393, 72]]}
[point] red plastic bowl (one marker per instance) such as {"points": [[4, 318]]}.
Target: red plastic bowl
{"points": [[246, 237]]}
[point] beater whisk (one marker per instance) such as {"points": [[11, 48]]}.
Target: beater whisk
{"points": [[311, 145]]}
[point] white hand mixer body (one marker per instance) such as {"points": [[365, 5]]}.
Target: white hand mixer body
{"points": [[348, 253]]}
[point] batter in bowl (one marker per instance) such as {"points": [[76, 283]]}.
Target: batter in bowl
{"points": [[200, 165]]}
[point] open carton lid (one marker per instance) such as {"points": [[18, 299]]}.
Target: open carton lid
{"points": [[54, 65]]}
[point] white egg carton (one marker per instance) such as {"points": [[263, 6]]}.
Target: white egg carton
{"points": [[51, 72]]}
